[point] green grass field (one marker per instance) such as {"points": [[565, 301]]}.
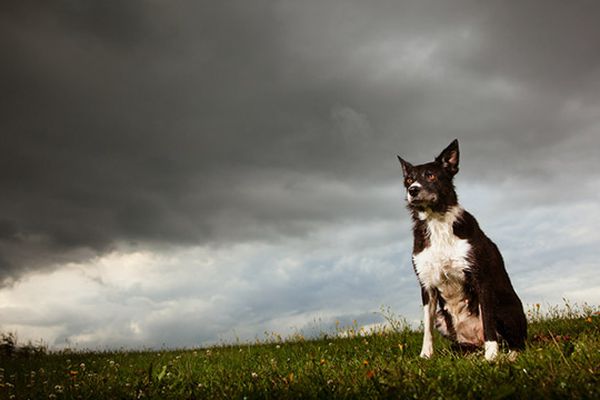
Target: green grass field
{"points": [[562, 360]]}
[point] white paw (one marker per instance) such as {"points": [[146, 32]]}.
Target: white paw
{"points": [[491, 350], [427, 350]]}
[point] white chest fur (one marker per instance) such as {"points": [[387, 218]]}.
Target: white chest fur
{"points": [[442, 264]]}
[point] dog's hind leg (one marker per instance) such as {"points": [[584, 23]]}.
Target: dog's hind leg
{"points": [[443, 323], [488, 317]]}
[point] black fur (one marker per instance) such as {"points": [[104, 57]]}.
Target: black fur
{"points": [[486, 282]]}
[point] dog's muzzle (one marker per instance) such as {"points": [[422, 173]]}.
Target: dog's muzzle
{"points": [[418, 196], [413, 191]]}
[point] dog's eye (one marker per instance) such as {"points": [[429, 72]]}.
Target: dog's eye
{"points": [[409, 181], [430, 177]]}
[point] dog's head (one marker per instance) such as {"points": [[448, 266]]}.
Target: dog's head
{"points": [[430, 186]]}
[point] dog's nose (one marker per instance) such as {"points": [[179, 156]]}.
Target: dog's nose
{"points": [[413, 190]]}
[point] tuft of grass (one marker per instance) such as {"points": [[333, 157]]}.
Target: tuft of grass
{"points": [[9, 347], [562, 360]]}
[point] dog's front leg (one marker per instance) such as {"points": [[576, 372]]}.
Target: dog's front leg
{"points": [[429, 297], [488, 318]]}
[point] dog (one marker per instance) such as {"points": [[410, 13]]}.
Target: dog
{"points": [[458, 267]]}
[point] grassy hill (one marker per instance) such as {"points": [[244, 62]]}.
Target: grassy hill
{"points": [[562, 360]]}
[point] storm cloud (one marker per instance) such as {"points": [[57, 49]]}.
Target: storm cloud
{"points": [[146, 127]]}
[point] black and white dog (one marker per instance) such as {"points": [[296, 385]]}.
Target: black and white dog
{"points": [[458, 266]]}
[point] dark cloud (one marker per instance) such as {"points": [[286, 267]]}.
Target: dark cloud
{"points": [[172, 123], [543, 45]]}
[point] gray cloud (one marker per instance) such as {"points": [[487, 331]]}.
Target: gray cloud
{"points": [[177, 123]]}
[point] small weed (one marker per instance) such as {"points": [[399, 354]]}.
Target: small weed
{"points": [[9, 347]]}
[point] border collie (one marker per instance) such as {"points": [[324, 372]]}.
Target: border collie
{"points": [[459, 268]]}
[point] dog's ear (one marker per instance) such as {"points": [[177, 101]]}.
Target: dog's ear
{"points": [[406, 166], [449, 158]]}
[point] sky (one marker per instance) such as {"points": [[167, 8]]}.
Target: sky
{"points": [[178, 174]]}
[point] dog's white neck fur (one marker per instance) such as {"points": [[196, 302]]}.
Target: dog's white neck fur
{"points": [[450, 216], [442, 264]]}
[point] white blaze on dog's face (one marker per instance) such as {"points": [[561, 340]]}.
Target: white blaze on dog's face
{"points": [[415, 185]]}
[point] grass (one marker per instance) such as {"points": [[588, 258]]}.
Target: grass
{"points": [[562, 360]]}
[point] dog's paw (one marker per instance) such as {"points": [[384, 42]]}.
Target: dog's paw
{"points": [[491, 350], [426, 351]]}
